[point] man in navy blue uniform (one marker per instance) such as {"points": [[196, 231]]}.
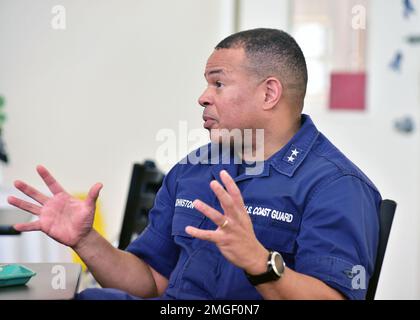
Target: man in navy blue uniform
{"points": [[303, 226]]}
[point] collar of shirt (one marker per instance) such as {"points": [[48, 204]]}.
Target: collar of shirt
{"points": [[289, 158], [286, 161]]}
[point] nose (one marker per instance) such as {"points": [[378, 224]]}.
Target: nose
{"points": [[205, 99]]}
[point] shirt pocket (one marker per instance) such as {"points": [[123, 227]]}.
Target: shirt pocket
{"points": [[275, 236], [183, 218]]}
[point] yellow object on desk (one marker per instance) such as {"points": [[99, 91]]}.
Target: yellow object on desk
{"points": [[98, 225]]}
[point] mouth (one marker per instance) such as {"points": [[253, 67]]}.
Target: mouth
{"points": [[209, 122]]}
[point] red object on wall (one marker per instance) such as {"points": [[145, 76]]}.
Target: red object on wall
{"points": [[348, 91]]}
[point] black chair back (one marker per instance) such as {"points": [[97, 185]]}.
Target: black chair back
{"points": [[146, 180], [386, 217]]}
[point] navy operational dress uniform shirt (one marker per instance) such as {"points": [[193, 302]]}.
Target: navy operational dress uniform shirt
{"points": [[310, 203]]}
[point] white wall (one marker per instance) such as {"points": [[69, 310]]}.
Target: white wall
{"points": [[88, 101], [264, 14]]}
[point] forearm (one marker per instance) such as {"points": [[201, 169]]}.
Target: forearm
{"points": [[296, 286], [114, 268]]}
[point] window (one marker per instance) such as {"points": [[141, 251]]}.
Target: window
{"points": [[331, 43]]}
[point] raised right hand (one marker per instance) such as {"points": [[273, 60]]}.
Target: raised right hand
{"points": [[64, 218]]}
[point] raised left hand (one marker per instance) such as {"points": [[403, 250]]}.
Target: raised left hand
{"points": [[235, 235]]}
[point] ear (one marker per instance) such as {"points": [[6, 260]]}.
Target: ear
{"points": [[273, 92]]}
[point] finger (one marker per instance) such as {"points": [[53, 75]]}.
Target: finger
{"points": [[24, 205], [94, 194], [231, 187], [31, 192], [225, 199], [49, 180], [209, 212], [30, 226], [207, 235]]}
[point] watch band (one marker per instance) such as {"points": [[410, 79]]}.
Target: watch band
{"points": [[271, 274]]}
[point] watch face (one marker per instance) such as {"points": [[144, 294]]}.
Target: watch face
{"points": [[278, 265]]}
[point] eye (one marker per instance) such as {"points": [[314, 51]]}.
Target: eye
{"points": [[218, 84]]}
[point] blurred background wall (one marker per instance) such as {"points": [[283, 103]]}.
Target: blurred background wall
{"points": [[90, 100]]}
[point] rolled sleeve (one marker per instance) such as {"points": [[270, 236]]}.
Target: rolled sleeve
{"points": [[155, 245], [335, 272], [339, 234], [158, 252]]}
